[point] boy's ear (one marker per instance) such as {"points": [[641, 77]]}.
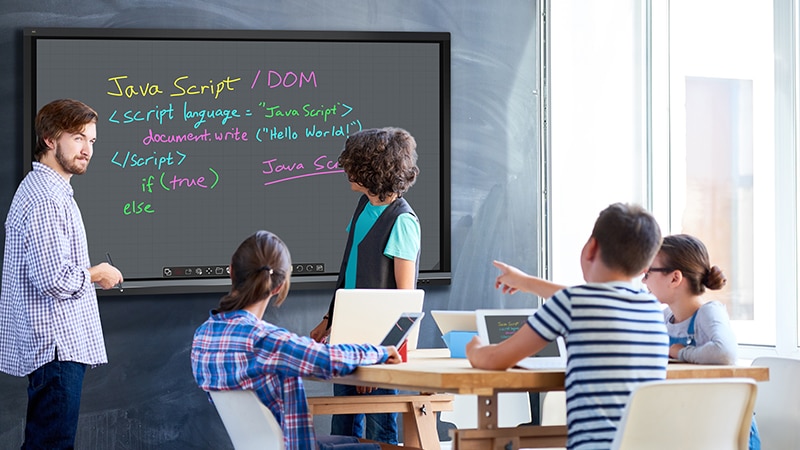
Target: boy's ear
{"points": [[591, 249]]}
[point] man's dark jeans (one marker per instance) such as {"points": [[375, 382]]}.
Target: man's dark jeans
{"points": [[54, 401]]}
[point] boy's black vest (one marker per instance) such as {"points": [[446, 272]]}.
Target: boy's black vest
{"points": [[374, 270]]}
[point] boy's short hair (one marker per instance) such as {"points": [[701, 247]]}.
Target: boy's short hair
{"points": [[383, 160], [628, 236]]}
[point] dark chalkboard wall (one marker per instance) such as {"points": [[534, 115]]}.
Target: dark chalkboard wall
{"points": [[145, 398], [205, 136]]}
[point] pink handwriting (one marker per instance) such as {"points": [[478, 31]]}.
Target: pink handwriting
{"points": [[322, 165], [286, 79]]}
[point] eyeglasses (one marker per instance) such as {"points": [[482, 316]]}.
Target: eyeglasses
{"points": [[657, 269]]}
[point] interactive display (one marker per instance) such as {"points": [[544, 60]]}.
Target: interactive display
{"points": [[207, 136]]}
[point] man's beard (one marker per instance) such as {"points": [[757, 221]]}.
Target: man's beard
{"points": [[74, 167]]}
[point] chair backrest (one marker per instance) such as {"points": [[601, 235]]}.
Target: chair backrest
{"points": [[513, 408], [554, 408], [778, 403], [692, 414], [249, 423]]}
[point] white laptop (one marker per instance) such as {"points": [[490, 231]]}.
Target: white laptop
{"points": [[497, 325], [365, 315], [448, 321]]}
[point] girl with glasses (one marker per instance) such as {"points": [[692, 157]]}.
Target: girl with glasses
{"points": [[699, 331]]}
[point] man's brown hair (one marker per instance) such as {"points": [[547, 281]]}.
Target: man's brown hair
{"points": [[59, 117]]}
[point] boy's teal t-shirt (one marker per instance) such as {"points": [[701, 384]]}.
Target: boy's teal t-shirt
{"points": [[404, 240]]}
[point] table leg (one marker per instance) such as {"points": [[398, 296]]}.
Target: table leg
{"points": [[487, 412], [419, 427], [489, 436]]}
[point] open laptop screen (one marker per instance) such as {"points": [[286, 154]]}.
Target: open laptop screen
{"points": [[497, 325]]}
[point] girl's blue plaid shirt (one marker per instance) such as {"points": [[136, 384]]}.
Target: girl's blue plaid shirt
{"points": [[237, 350]]}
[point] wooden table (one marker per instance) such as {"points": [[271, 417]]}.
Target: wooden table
{"points": [[432, 370]]}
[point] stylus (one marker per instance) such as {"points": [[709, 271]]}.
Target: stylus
{"points": [[108, 258]]}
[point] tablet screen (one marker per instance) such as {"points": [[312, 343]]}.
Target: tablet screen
{"points": [[401, 328]]}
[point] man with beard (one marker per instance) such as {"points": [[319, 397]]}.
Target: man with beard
{"points": [[49, 322]]}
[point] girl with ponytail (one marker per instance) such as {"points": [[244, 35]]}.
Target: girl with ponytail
{"points": [[236, 349], [699, 330]]}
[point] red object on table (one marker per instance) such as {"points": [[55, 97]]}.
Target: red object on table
{"points": [[403, 350]]}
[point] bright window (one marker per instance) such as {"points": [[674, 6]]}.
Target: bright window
{"points": [[597, 76], [689, 107], [722, 149]]}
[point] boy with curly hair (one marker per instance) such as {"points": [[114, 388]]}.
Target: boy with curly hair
{"points": [[383, 246]]}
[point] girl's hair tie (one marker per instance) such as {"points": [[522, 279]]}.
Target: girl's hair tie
{"points": [[267, 269]]}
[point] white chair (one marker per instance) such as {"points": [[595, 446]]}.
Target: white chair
{"points": [[690, 414], [554, 408], [249, 423], [778, 403], [513, 408]]}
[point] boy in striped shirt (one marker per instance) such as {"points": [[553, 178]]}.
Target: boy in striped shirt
{"points": [[615, 332]]}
